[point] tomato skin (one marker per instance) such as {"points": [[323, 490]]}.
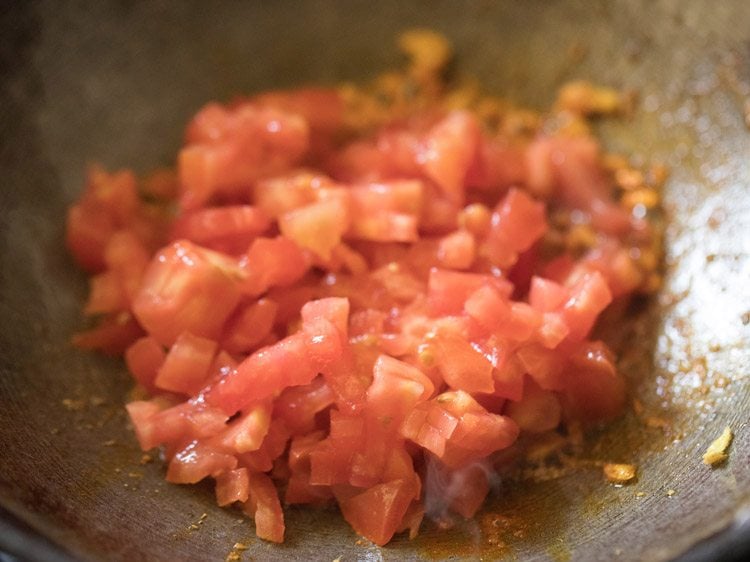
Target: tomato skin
{"points": [[187, 288]]}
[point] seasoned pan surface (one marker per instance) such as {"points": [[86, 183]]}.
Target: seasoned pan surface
{"points": [[115, 81]]}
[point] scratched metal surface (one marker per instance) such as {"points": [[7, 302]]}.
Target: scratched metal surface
{"points": [[115, 82]]}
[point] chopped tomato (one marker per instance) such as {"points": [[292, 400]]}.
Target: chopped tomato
{"points": [[449, 151], [232, 486], [187, 288], [377, 512], [362, 296]]}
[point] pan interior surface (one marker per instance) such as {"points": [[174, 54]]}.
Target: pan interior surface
{"points": [[115, 83]]}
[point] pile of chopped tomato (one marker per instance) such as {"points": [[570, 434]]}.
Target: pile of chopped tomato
{"points": [[321, 311]]}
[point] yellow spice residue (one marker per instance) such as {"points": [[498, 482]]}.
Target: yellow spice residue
{"points": [[618, 473], [717, 451]]}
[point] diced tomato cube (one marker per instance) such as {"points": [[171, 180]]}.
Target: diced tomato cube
{"points": [[247, 432], [517, 222], [538, 411], [450, 148], [317, 227], [588, 297], [187, 288], [187, 364], [457, 250], [447, 291], [264, 507], [198, 461], [377, 512], [250, 326], [113, 335], [272, 262], [232, 486], [545, 295], [462, 365], [231, 228], [593, 389], [144, 358], [395, 390], [299, 405]]}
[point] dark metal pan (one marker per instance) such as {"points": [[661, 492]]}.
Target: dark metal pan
{"points": [[115, 82]]}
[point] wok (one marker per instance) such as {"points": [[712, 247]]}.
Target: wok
{"points": [[115, 81]]}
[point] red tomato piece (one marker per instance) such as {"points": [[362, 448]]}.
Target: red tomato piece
{"points": [[232, 486], [87, 232], [196, 462], [544, 365], [593, 389], [264, 507], [545, 295], [187, 364], [498, 165], [293, 361], [230, 229], [187, 288], [449, 150], [317, 227], [463, 366], [538, 411], [247, 432], [144, 358], [396, 388], [127, 257], [273, 262], [463, 490], [106, 294], [112, 336], [517, 222], [299, 489], [298, 406], [250, 326], [457, 250], [228, 149], [588, 297], [377, 512], [457, 429], [448, 291]]}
